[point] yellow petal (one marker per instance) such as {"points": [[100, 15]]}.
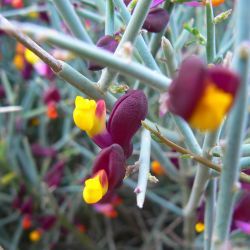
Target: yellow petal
{"points": [[199, 227], [84, 113], [211, 109], [31, 57], [95, 188]]}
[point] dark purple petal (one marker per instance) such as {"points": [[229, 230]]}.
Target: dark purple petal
{"points": [[107, 43], [52, 94], [112, 160], [241, 211], [125, 118], [46, 222], [27, 71], [186, 89], [41, 151], [156, 20], [103, 140], [2, 92], [54, 176], [27, 206], [225, 79]]}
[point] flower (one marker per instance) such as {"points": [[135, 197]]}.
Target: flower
{"points": [[241, 214], [107, 174], [157, 168], [215, 3], [54, 176], [52, 110], [108, 43], [211, 93], [40, 151], [157, 18], [35, 235], [124, 120], [108, 208], [26, 222]]}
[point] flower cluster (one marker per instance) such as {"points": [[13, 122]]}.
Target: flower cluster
{"points": [[114, 139], [202, 95]]}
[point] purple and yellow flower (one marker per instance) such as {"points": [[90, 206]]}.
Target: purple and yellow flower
{"points": [[124, 120], [107, 174], [202, 95]]}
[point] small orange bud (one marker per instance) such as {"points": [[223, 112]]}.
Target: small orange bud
{"points": [[26, 222], [52, 111], [157, 168], [35, 235], [81, 228]]}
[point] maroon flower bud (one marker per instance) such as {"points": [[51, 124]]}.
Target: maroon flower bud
{"points": [[40, 151], [52, 94], [46, 222], [54, 176], [2, 92], [108, 43], [125, 118], [27, 71], [156, 20], [241, 215]]}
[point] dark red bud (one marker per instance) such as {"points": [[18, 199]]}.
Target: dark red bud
{"points": [[107, 43], [156, 20], [125, 118]]}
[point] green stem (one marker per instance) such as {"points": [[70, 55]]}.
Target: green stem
{"points": [[151, 78], [140, 44], [236, 128], [210, 47], [209, 213], [68, 13], [109, 22], [130, 35]]}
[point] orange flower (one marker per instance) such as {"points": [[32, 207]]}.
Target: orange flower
{"points": [[52, 111], [82, 228], [157, 168], [35, 235], [26, 222]]}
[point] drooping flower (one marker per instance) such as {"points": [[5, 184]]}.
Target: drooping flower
{"points": [[107, 174], [124, 121], [202, 96]]}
